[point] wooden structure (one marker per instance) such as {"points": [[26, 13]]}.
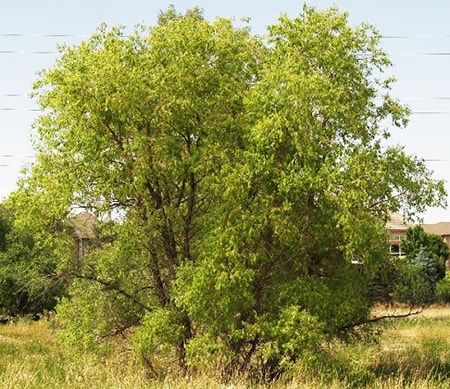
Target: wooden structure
{"points": [[84, 231]]}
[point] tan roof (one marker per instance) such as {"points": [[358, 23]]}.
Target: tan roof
{"points": [[84, 226], [441, 228], [397, 223]]}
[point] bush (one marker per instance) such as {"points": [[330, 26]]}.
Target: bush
{"points": [[28, 281], [413, 286], [443, 290]]}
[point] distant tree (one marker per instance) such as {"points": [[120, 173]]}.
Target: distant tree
{"points": [[428, 250], [5, 226], [382, 284], [423, 267], [416, 239], [443, 290], [242, 180], [411, 284], [440, 253], [428, 266], [27, 271]]}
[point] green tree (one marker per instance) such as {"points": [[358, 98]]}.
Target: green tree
{"points": [[417, 238], [440, 251], [419, 246], [411, 284], [443, 290], [434, 246], [5, 226], [28, 277], [308, 199], [238, 179], [137, 129]]}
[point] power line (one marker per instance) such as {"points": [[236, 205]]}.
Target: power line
{"points": [[443, 36], [49, 52], [39, 35], [64, 35], [8, 109], [40, 52], [430, 112], [14, 35], [412, 98], [16, 156]]}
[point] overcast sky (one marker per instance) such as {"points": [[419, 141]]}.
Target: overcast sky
{"points": [[417, 37]]}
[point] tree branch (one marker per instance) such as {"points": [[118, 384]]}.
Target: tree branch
{"points": [[380, 318], [110, 286]]}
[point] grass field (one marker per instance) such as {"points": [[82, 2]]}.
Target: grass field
{"points": [[412, 353]]}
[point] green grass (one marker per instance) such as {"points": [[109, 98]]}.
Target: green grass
{"points": [[412, 353]]}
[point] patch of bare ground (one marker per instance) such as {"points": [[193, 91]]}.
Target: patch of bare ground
{"points": [[428, 312]]}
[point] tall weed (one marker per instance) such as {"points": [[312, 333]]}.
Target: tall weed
{"points": [[411, 353]]}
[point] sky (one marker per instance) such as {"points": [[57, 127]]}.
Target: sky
{"points": [[416, 35]]}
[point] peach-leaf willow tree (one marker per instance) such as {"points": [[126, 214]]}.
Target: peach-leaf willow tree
{"points": [[241, 184]]}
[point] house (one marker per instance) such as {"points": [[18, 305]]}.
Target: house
{"points": [[443, 230], [397, 233], [84, 231]]}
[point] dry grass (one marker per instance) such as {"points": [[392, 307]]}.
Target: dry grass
{"points": [[31, 357], [430, 312], [416, 350], [413, 353]]}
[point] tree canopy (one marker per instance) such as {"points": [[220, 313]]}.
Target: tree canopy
{"points": [[28, 278], [429, 251], [237, 179]]}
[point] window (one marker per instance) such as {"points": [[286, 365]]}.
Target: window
{"points": [[397, 238], [395, 249]]}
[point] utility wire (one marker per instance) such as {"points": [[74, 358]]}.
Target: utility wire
{"points": [[64, 35], [8, 109], [80, 36], [39, 35], [57, 35], [430, 98], [39, 110], [412, 98], [48, 52]]}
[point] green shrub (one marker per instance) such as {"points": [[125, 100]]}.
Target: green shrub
{"points": [[155, 338], [412, 287], [443, 290]]}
